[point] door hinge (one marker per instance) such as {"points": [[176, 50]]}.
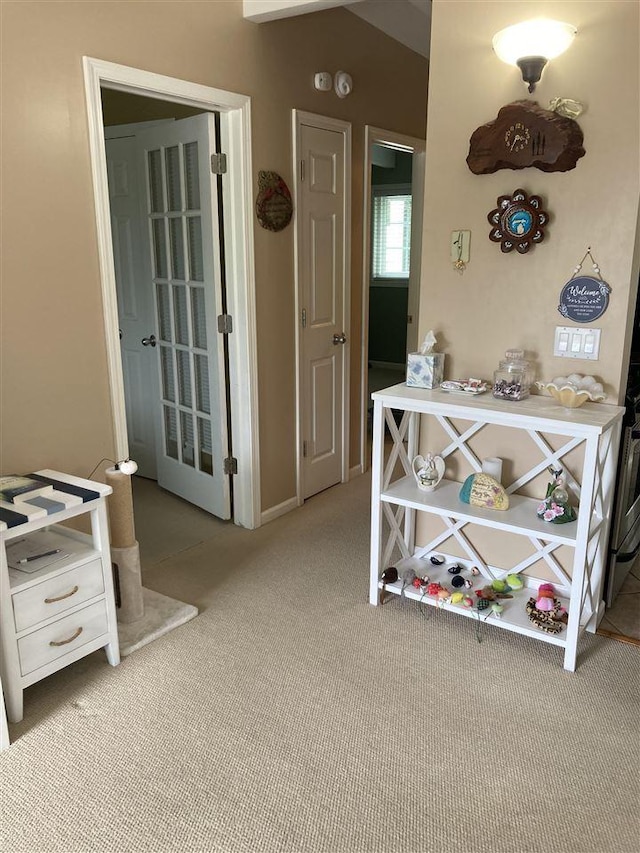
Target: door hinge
{"points": [[303, 318], [230, 465], [304, 448], [225, 324], [302, 170], [219, 164]]}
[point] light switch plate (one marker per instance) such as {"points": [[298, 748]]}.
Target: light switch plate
{"points": [[570, 342]]}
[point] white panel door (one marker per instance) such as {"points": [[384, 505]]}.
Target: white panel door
{"points": [[135, 301], [321, 202], [184, 276]]}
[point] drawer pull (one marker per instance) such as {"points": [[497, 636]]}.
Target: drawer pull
{"points": [[73, 637], [62, 597]]}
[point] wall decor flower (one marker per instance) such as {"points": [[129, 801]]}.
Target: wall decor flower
{"points": [[518, 222]]}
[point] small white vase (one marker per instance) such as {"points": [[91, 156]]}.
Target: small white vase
{"points": [[428, 472]]}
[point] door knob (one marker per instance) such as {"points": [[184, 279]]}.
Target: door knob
{"points": [[149, 342], [339, 339]]}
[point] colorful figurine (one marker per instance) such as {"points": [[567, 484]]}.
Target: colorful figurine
{"points": [[555, 508], [546, 611]]}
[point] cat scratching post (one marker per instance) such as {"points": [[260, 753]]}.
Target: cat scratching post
{"points": [[125, 551], [143, 614]]}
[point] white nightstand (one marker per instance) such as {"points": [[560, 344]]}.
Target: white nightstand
{"points": [[65, 610]]}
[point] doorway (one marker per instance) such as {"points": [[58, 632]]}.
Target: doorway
{"points": [[168, 229], [322, 165], [235, 127], [392, 237]]}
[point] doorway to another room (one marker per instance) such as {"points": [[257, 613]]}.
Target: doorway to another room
{"points": [[168, 239], [183, 388], [394, 184]]}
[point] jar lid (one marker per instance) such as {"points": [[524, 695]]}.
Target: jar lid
{"points": [[514, 354]]}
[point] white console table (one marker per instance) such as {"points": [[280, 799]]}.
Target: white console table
{"points": [[65, 610], [396, 500]]}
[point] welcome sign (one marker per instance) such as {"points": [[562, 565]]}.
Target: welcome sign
{"points": [[584, 299]]}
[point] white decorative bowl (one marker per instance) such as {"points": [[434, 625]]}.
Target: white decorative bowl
{"points": [[574, 390]]}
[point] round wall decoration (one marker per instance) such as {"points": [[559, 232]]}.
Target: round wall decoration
{"points": [[273, 205], [518, 221], [584, 298]]}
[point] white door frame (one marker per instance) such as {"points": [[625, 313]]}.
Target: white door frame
{"points": [[415, 146], [235, 113], [299, 117]]}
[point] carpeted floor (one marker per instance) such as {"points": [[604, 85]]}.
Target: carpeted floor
{"points": [[292, 716]]}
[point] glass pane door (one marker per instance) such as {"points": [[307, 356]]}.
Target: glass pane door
{"points": [[186, 276]]}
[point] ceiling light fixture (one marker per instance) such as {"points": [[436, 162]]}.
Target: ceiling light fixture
{"points": [[531, 44]]}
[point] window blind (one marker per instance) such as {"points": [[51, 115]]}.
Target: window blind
{"points": [[391, 238]]}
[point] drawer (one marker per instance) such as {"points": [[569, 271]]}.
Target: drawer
{"points": [[61, 637], [55, 595]]}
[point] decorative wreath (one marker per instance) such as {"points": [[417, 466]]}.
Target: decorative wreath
{"points": [[273, 205]]}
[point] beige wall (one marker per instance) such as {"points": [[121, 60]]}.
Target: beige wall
{"points": [[55, 400], [507, 300]]}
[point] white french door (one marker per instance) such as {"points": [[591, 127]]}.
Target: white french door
{"points": [[135, 298], [184, 275]]}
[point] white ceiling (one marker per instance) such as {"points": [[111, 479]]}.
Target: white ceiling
{"points": [[406, 21]]}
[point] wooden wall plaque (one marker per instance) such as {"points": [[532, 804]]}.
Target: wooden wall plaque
{"points": [[524, 134]]}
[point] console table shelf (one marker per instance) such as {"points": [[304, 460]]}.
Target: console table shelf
{"points": [[445, 501], [396, 500]]}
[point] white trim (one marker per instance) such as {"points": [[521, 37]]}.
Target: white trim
{"points": [[356, 471], [411, 145], [236, 129], [299, 117], [280, 509], [260, 11]]}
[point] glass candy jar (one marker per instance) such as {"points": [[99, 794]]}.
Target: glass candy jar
{"points": [[514, 376]]}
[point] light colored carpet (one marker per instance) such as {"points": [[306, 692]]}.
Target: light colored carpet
{"points": [[292, 716]]}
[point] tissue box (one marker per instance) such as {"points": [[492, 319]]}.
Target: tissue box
{"points": [[425, 371]]}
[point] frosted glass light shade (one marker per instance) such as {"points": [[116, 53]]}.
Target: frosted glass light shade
{"points": [[540, 37]]}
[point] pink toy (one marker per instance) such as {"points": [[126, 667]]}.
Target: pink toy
{"points": [[545, 597]]}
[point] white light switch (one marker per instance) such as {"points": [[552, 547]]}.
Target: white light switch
{"points": [[577, 343]]}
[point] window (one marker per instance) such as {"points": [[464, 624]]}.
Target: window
{"points": [[391, 239]]}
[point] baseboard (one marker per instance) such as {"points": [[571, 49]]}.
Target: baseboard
{"points": [[286, 506], [280, 509]]}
